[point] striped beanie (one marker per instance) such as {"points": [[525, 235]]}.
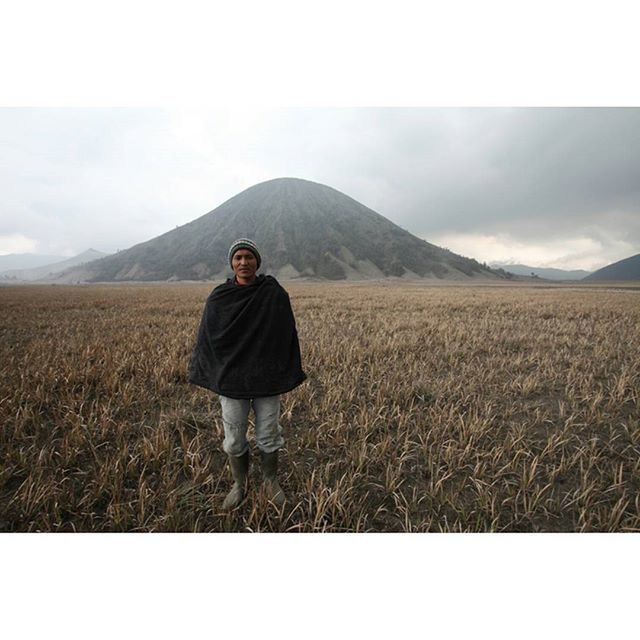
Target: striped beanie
{"points": [[245, 243]]}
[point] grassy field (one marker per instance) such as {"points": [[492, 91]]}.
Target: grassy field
{"points": [[427, 408]]}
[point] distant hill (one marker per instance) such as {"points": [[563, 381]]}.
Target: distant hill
{"points": [[48, 271], [26, 261], [627, 269], [541, 272], [303, 229]]}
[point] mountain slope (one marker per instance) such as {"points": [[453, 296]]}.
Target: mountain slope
{"points": [[48, 271], [627, 269], [302, 229]]}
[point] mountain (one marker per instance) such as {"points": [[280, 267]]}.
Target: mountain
{"points": [[541, 272], [49, 271], [302, 228], [25, 261], [627, 269]]}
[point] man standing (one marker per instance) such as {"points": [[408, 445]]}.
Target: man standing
{"points": [[247, 352]]}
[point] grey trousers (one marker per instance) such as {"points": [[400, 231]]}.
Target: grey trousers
{"points": [[235, 418]]}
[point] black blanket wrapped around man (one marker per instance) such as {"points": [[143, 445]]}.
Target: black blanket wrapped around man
{"points": [[247, 344]]}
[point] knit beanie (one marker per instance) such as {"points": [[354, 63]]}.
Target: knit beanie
{"points": [[245, 243]]}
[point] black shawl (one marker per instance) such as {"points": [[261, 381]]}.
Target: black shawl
{"points": [[247, 343]]}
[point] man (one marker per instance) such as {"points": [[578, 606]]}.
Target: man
{"points": [[247, 352]]}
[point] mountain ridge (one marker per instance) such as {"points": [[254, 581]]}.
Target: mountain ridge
{"points": [[14, 261], [541, 272], [50, 270]]}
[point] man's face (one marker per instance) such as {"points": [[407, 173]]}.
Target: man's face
{"points": [[244, 265]]}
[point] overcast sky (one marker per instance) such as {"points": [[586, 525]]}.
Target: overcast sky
{"points": [[556, 187]]}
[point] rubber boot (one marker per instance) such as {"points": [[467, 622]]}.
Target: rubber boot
{"points": [[269, 463], [239, 470]]}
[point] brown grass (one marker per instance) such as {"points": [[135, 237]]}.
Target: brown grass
{"points": [[427, 408]]}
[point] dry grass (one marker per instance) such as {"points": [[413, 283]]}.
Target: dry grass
{"points": [[426, 409]]}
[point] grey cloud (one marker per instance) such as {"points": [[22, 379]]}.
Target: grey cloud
{"points": [[551, 166], [121, 176], [470, 169]]}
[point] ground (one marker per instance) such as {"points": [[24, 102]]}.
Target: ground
{"points": [[427, 408]]}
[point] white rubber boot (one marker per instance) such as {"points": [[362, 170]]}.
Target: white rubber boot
{"points": [[269, 463], [239, 470]]}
